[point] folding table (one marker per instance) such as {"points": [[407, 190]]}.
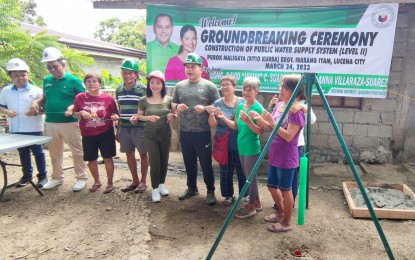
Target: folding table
{"points": [[10, 142]]}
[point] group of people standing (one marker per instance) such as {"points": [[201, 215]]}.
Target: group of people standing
{"points": [[141, 116]]}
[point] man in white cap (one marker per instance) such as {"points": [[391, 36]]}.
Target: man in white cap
{"points": [[15, 102], [59, 91]]}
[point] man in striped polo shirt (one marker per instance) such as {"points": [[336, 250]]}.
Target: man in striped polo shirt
{"points": [[130, 135]]}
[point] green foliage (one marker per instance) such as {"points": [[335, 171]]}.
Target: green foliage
{"points": [[109, 81], [20, 44], [30, 15], [10, 12], [143, 71], [76, 58], [40, 21], [107, 29], [131, 33], [17, 43]]}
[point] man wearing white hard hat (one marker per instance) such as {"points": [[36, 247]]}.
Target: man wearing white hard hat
{"points": [[15, 102], [59, 91]]}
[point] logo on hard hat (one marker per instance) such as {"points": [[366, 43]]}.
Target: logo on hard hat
{"points": [[17, 64], [193, 58]]}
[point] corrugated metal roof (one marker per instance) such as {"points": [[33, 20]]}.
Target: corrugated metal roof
{"points": [[88, 45]]}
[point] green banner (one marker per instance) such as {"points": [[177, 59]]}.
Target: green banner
{"points": [[349, 47]]}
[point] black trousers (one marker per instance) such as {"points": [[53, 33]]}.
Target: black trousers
{"points": [[197, 145]]}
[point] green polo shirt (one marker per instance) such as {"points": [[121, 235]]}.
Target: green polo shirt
{"points": [[158, 56], [60, 94], [248, 141]]}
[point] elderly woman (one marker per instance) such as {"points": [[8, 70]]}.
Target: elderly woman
{"points": [[283, 154], [156, 110], [97, 110], [228, 104], [249, 146]]}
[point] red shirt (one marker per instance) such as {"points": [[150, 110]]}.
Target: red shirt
{"points": [[100, 107]]}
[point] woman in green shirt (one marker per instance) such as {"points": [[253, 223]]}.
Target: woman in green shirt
{"points": [[249, 146]]}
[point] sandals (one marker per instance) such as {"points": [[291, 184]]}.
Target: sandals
{"points": [[95, 187], [228, 201], [273, 218], [277, 228], [129, 188], [140, 188], [109, 189], [244, 213], [257, 208]]}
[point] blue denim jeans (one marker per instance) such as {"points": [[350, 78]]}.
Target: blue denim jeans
{"points": [[226, 175], [26, 160]]}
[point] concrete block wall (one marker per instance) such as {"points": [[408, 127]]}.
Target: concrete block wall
{"points": [[408, 92], [112, 65], [363, 131]]}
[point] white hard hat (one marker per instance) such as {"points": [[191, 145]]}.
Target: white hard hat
{"points": [[17, 64], [51, 54]]}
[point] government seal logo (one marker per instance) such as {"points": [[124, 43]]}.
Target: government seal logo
{"points": [[383, 16]]}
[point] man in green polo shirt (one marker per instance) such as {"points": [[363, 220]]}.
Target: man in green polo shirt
{"points": [[161, 49], [59, 91]]}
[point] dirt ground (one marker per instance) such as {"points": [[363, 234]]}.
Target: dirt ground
{"points": [[83, 225]]}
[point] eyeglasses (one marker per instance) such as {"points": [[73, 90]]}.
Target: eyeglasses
{"points": [[53, 67], [94, 81], [225, 85]]}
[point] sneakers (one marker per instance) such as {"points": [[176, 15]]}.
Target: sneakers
{"points": [[210, 198], [23, 182], [42, 181], [163, 190], [79, 185], [228, 201], [187, 194], [52, 184], [155, 195]]}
